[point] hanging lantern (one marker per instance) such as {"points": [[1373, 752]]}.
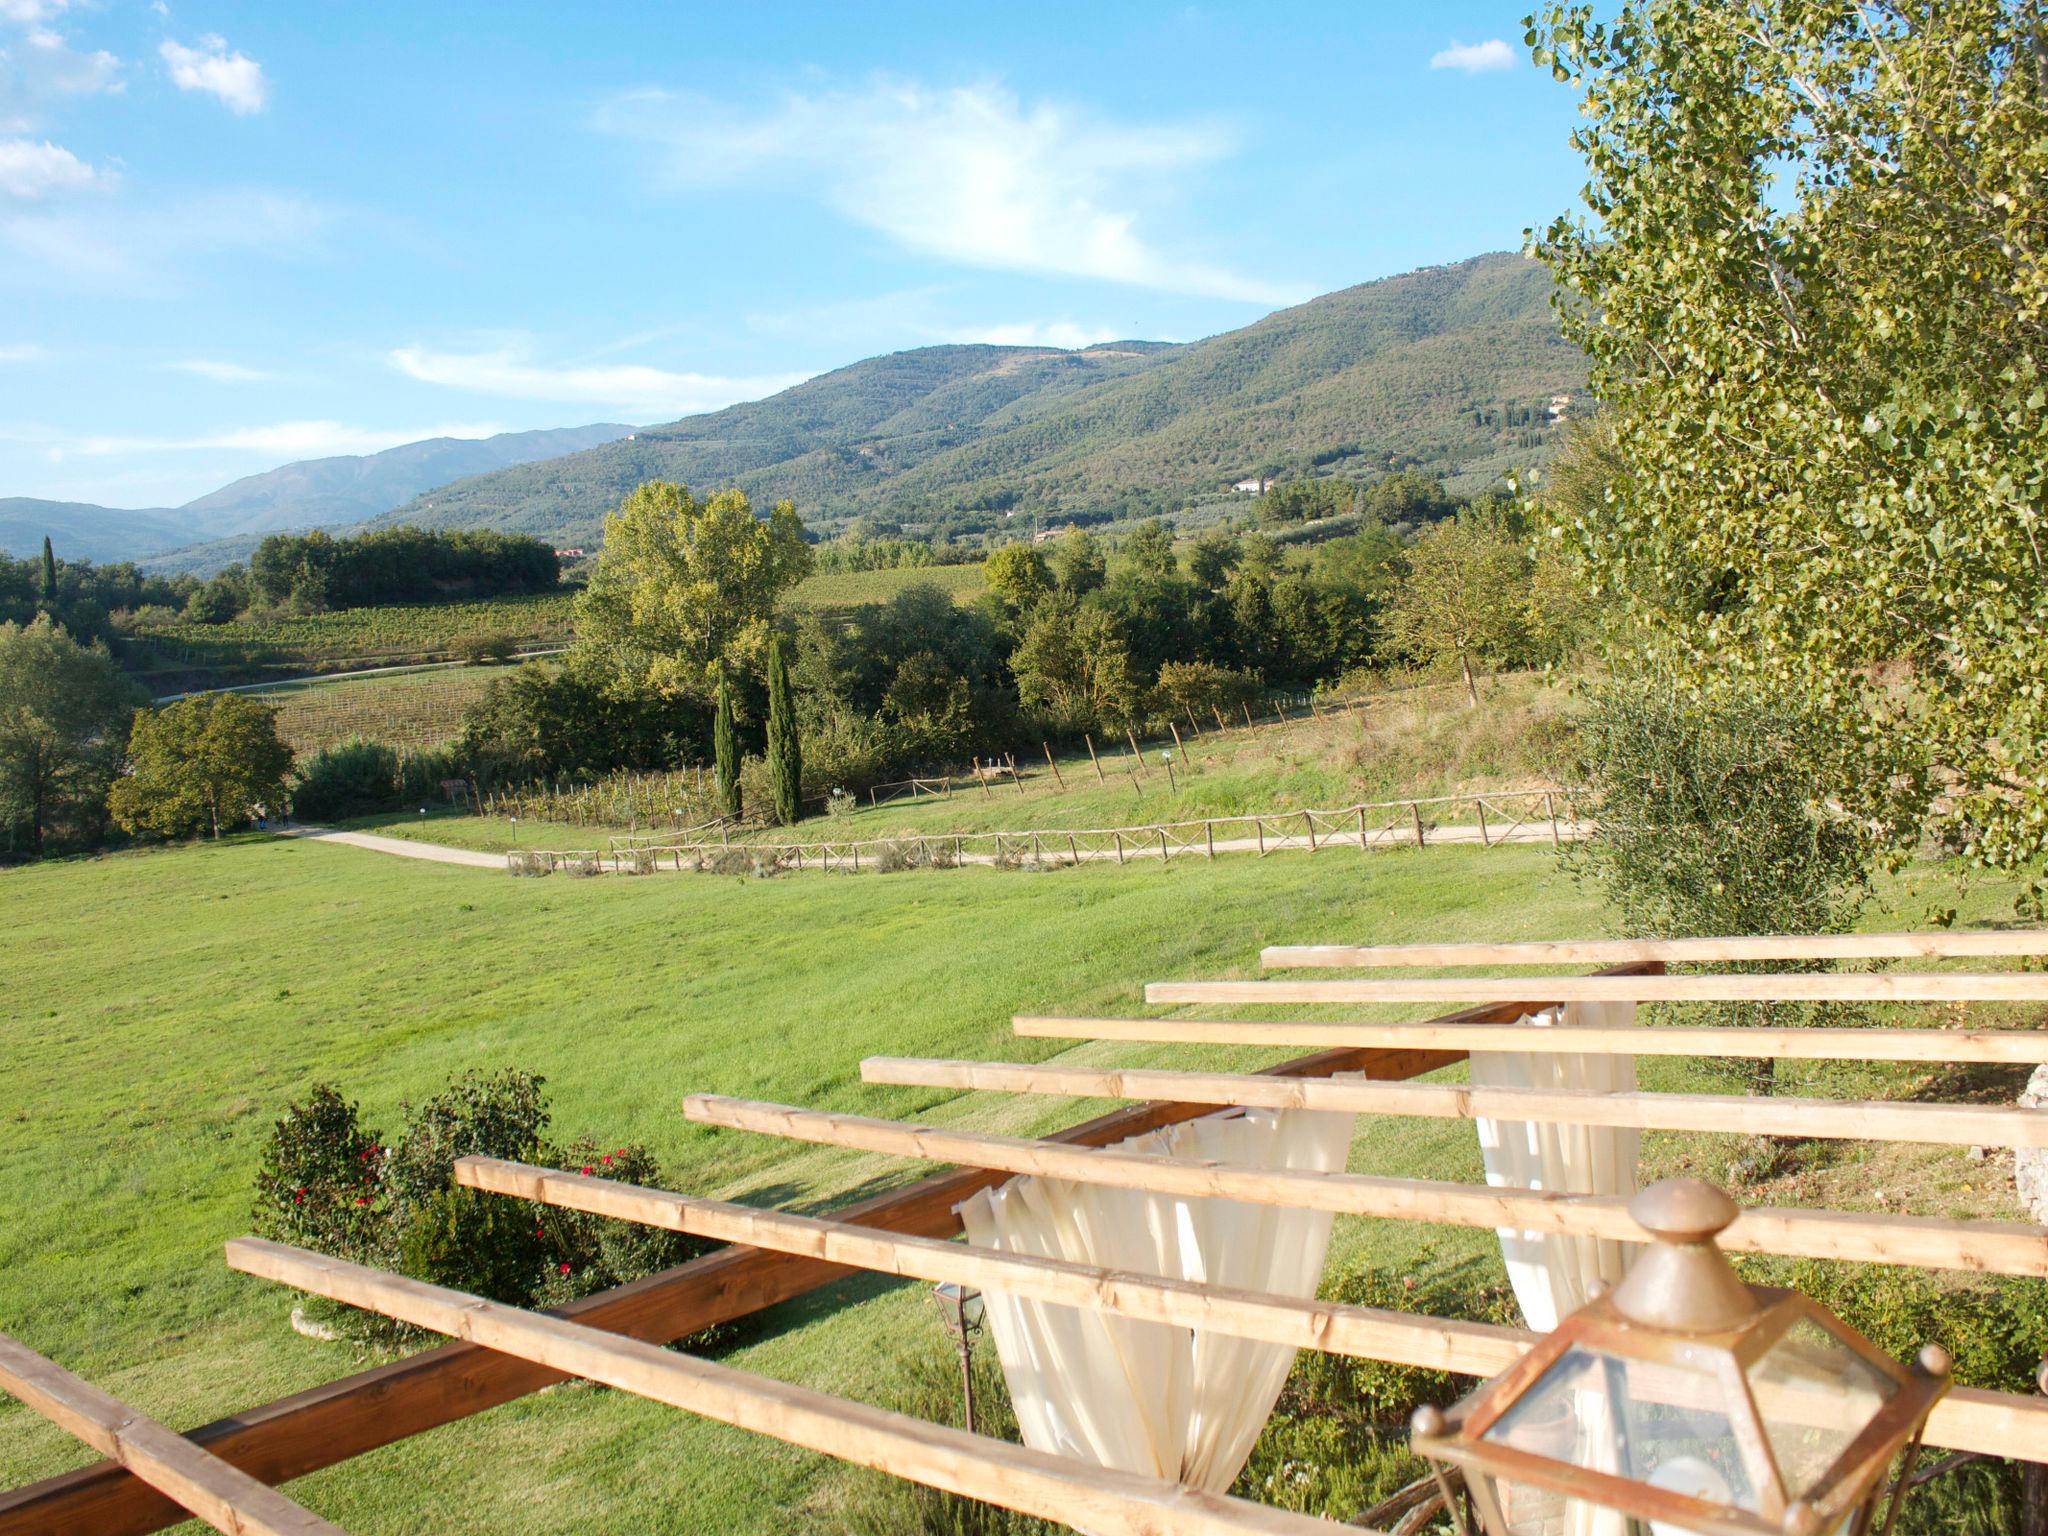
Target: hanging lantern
{"points": [[1686, 1403]]}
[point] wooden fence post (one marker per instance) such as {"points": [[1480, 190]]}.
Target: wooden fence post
{"points": [[1416, 811], [1093, 758], [1136, 756], [1209, 831], [1178, 746], [1312, 709], [1191, 721], [1259, 827], [1250, 723], [1219, 717], [1073, 852], [1481, 804], [1016, 778], [1162, 845], [1308, 819], [1119, 846], [1046, 747]]}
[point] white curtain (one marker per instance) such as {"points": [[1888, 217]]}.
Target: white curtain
{"points": [[1146, 1397], [1552, 1275]]}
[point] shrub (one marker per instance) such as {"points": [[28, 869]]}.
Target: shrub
{"points": [[350, 778], [484, 649], [321, 1182], [530, 862]]}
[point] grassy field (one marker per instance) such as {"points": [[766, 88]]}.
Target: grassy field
{"points": [[359, 635], [1414, 743], [143, 1076], [840, 591], [407, 709]]}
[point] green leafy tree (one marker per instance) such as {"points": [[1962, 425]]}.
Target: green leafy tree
{"points": [[1018, 574], [1812, 280], [1462, 601], [200, 765], [785, 751], [1077, 562], [1150, 547], [683, 587], [49, 592], [1077, 667], [64, 712], [725, 748]]}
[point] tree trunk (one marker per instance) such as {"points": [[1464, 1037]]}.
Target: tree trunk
{"points": [[1471, 687]]}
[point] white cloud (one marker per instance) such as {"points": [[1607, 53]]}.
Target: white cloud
{"points": [[22, 352], [28, 12], [38, 65], [234, 77], [1484, 58], [970, 174], [636, 390], [219, 372], [143, 250], [29, 170], [282, 440]]}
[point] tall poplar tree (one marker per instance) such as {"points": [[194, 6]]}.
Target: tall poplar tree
{"points": [[725, 749], [785, 753]]}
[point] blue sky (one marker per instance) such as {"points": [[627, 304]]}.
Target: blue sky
{"points": [[232, 235]]}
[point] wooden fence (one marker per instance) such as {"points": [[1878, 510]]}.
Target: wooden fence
{"points": [[1505, 816]]}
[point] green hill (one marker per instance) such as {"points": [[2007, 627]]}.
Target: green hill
{"points": [[1451, 368]]}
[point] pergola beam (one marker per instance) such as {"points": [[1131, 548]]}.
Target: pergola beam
{"points": [[225, 1497], [1960, 1125], [1991, 1423], [2010, 1047], [1749, 986], [1918, 1241], [1055, 1488], [1722, 951]]}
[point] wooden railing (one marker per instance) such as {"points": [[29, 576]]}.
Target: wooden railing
{"points": [[1544, 814]]}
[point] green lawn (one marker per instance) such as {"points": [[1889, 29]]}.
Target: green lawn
{"points": [[160, 1008]]}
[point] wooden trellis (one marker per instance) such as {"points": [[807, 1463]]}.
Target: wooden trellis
{"points": [[614, 1337]]}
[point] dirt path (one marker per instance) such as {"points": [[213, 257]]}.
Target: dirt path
{"points": [[405, 848]]}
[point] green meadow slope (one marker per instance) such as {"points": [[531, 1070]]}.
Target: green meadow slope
{"points": [[162, 1007]]}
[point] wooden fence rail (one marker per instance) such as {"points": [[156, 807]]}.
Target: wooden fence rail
{"points": [[1532, 815]]}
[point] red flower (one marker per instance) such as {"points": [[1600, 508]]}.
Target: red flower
{"points": [[586, 1168], [607, 1157], [565, 1269], [362, 1199]]}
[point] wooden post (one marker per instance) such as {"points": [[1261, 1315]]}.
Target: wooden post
{"points": [[1312, 709], [1361, 829], [1073, 852], [1162, 845], [979, 774], [1093, 758], [1136, 756], [1260, 827], [1219, 717], [1209, 832], [1191, 721], [1308, 819], [1416, 811], [1178, 746], [1250, 724], [1172, 782], [1119, 846], [1046, 747], [1016, 778], [856, 857], [1481, 804]]}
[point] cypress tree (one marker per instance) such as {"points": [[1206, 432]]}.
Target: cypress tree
{"points": [[49, 574], [785, 754], [725, 750]]}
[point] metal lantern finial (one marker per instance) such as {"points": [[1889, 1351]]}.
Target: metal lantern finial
{"points": [[1684, 1401]]}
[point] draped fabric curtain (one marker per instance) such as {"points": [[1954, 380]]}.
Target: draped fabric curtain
{"points": [[1552, 1275], [1148, 1397]]}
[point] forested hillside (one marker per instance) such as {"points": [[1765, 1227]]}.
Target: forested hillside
{"points": [[1450, 369]]}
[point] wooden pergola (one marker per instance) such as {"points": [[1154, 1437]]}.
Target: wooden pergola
{"points": [[502, 1352]]}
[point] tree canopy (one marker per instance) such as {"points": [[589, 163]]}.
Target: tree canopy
{"points": [[1811, 282], [64, 712], [202, 764], [684, 586]]}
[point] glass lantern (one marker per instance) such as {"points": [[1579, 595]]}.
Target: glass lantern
{"points": [[1686, 1403]]}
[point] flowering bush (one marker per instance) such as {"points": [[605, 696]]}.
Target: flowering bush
{"points": [[328, 1184]]}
